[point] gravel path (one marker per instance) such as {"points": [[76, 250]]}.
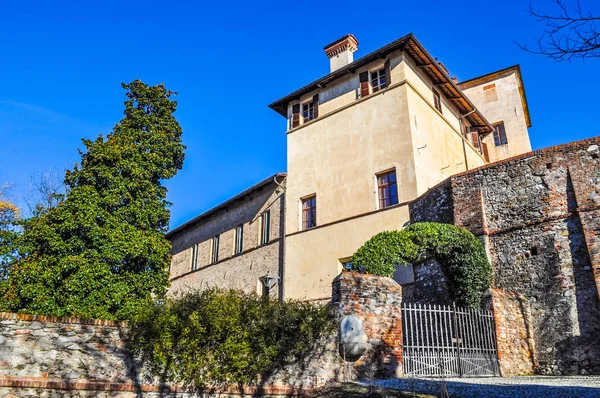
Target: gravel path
{"points": [[503, 387]]}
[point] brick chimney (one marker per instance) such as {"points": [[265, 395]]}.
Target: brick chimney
{"points": [[340, 52]]}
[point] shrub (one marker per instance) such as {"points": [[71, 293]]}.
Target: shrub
{"points": [[460, 254], [217, 337]]}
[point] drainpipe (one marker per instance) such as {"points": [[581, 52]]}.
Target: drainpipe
{"points": [[282, 240]]}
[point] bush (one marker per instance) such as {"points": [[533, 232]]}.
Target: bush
{"points": [[218, 337], [460, 254]]}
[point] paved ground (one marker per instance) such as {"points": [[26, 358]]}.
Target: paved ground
{"points": [[503, 387]]}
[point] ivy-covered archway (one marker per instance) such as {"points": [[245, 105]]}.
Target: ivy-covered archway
{"points": [[460, 254]]}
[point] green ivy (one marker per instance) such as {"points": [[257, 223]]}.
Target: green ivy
{"points": [[460, 254], [220, 337]]}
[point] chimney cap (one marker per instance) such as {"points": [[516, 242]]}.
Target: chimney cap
{"points": [[347, 42]]}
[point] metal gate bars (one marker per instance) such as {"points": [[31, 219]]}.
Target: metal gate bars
{"points": [[447, 341]]}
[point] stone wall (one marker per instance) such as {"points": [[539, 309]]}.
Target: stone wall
{"points": [[69, 357], [514, 333], [538, 216], [429, 286]]}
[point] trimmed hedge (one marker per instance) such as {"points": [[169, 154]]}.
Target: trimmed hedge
{"points": [[221, 337], [460, 254]]}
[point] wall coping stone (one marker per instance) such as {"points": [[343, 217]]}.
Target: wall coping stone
{"points": [[58, 319]]}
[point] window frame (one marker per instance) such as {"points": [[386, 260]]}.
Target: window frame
{"points": [[310, 111], [265, 227], [214, 255], [437, 100], [381, 187], [194, 259], [238, 244], [498, 137], [310, 220], [376, 75]]}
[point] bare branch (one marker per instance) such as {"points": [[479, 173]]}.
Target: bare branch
{"points": [[571, 33], [46, 190]]}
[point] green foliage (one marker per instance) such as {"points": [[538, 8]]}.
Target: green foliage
{"points": [[218, 337], [101, 251], [9, 221], [460, 254]]}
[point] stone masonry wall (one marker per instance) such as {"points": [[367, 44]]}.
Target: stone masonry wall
{"points": [[538, 215], [514, 339], [429, 286], [68, 357]]}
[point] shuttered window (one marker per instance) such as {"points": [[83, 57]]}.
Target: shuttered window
{"points": [[486, 154], [378, 80], [387, 187], [308, 111], [500, 135], [475, 141], [295, 122], [437, 101], [363, 77], [309, 212]]}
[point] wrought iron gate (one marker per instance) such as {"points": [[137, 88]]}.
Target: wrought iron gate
{"points": [[446, 341]]}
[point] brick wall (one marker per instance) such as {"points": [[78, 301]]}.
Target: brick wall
{"points": [[514, 334], [377, 301], [538, 215]]}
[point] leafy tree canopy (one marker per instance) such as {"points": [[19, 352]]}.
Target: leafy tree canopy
{"points": [[460, 254], [101, 251]]}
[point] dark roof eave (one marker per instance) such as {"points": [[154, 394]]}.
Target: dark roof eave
{"points": [[209, 212], [476, 118], [280, 106]]}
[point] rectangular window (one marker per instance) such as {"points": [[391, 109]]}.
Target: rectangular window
{"points": [[194, 257], [215, 250], [465, 130], [437, 102], [309, 212], [378, 80], [500, 134], [239, 239], [265, 227], [308, 111], [388, 189]]}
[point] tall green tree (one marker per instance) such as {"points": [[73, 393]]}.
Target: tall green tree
{"points": [[101, 252]]}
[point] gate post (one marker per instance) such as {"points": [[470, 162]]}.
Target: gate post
{"points": [[377, 301], [514, 334]]}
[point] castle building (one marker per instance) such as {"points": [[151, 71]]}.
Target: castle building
{"points": [[364, 141]]}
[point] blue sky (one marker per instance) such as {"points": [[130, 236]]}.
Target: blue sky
{"points": [[63, 62]]}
